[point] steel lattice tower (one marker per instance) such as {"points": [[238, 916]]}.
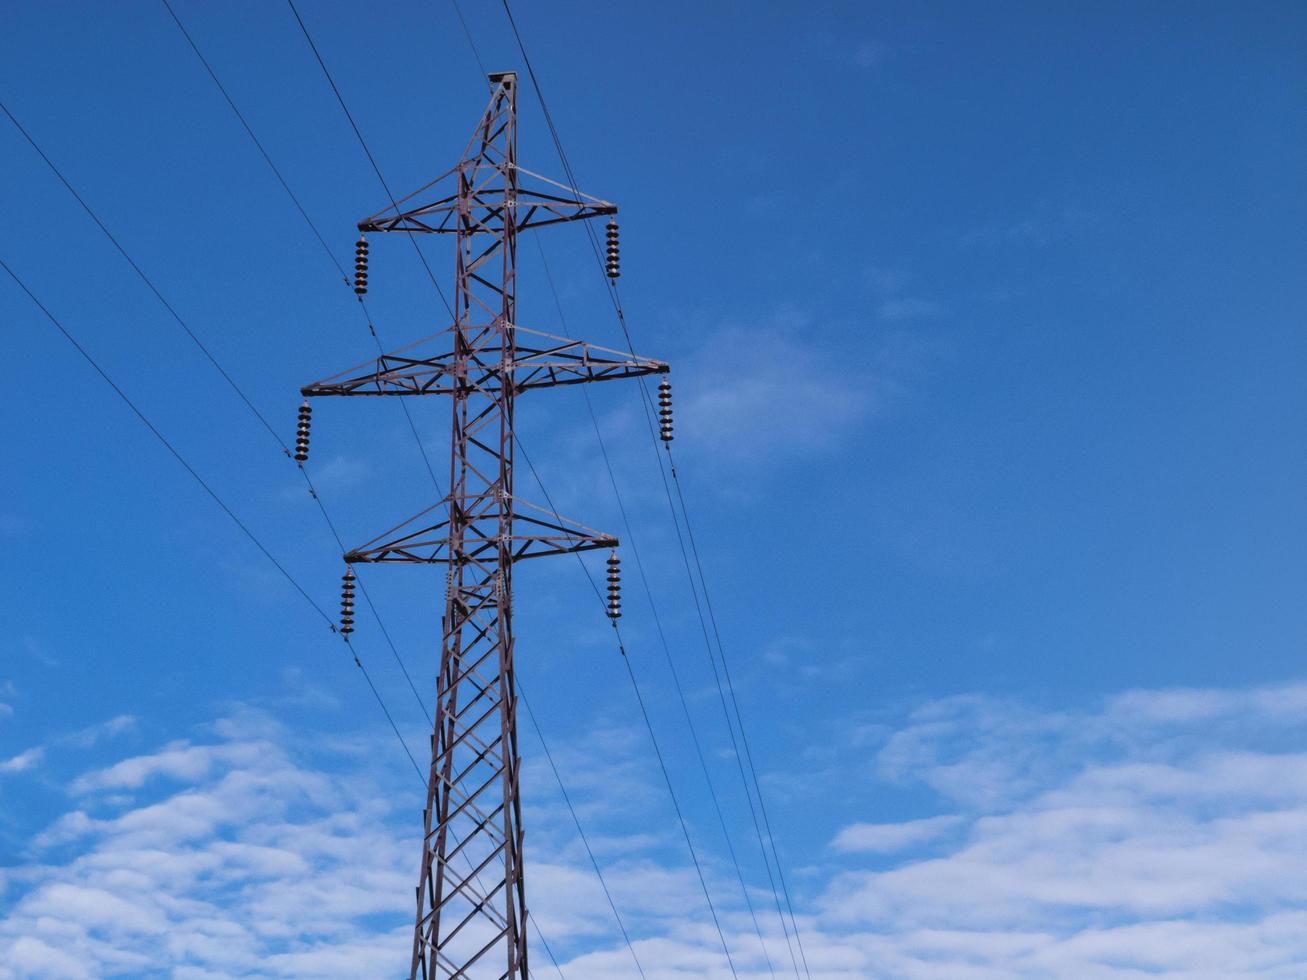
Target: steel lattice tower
{"points": [[471, 899]]}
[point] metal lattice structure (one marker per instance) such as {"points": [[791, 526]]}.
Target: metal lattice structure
{"points": [[471, 898]]}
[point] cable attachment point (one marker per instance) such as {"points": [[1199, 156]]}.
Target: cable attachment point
{"points": [[665, 410], [347, 602], [361, 266], [302, 432], [612, 266], [614, 586]]}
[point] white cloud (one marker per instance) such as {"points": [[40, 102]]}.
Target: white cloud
{"points": [[762, 392], [243, 861], [883, 837], [23, 761], [94, 734], [83, 739], [1156, 834], [28, 956], [177, 761], [758, 392]]}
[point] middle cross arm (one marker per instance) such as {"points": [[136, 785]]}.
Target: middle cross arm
{"points": [[429, 366], [422, 540]]}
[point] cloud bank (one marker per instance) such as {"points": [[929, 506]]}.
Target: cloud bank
{"points": [[1154, 834]]}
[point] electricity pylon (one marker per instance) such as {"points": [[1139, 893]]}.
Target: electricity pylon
{"points": [[471, 898]]}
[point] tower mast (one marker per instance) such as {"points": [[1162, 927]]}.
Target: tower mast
{"points": [[471, 898]]}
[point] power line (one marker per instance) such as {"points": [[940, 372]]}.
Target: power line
{"points": [[468, 34], [653, 738], [646, 399], [621, 317], [231, 514], [629, 537], [303, 212], [730, 686], [158, 294], [544, 744], [317, 498], [577, 820], [145, 420], [250, 132], [213, 360], [331, 255], [368, 152], [146, 279], [208, 489], [735, 747], [726, 714], [571, 177], [331, 526]]}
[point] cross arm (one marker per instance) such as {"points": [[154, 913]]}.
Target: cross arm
{"points": [[536, 207], [422, 539], [555, 361], [535, 359]]}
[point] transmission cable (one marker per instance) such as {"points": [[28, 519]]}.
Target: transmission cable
{"points": [[216, 365], [730, 687], [331, 255], [217, 499], [368, 152], [208, 355], [646, 399], [630, 669], [616, 301], [244, 528], [629, 537], [544, 744], [653, 738], [228, 378], [213, 494], [312, 490], [468, 34], [244, 398], [577, 820], [146, 279]]}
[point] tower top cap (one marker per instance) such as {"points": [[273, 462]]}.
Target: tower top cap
{"points": [[502, 76]]}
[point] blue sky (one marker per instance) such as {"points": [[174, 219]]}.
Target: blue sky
{"points": [[986, 330]]}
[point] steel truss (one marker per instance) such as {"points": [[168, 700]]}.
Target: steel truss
{"points": [[471, 898]]}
